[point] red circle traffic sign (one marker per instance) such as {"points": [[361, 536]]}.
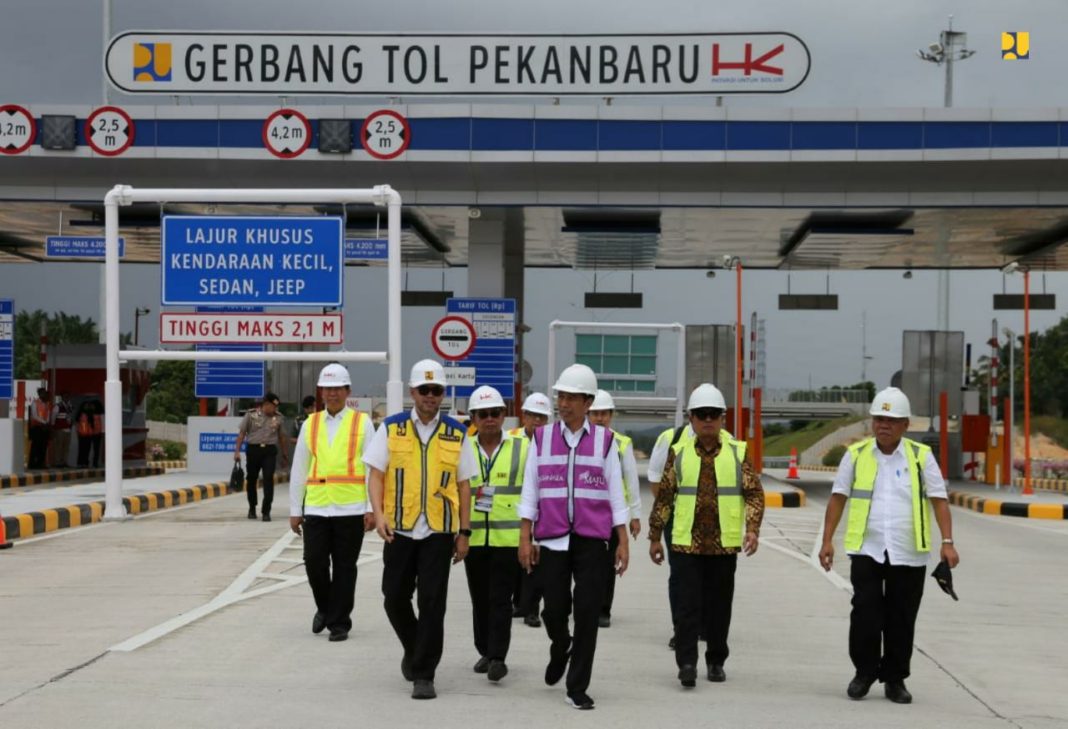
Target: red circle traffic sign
{"points": [[287, 133], [109, 131], [453, 338], [385, 134], [18, 129]]}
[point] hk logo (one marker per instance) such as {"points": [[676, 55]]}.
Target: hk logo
{"points": [[1016, 46], [152, 62], [748, 65]]}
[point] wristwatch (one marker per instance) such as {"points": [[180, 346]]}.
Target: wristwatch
{"points": [[465, 533], [947, 541]]}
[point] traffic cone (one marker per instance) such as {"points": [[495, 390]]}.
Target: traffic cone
{"points": [[792, 473], [4, 544]]}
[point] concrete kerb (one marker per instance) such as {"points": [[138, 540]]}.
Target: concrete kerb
{"points": [[1008, 508], [38, 478], [65, 517]]}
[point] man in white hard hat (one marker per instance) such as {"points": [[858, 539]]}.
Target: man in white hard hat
{"points": [[571, 503], [601, 412], [328, 502], [537, 409], [713, 498], [492, 562], [420, 473], [535, 413], [891, 484]]}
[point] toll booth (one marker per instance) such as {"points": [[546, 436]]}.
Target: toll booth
{"points": [[933, 364]]}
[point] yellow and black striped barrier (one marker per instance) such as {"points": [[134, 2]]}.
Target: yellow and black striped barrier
{"points": [[1046, 484], [1008, 508], [38, 478], [784, 499]]}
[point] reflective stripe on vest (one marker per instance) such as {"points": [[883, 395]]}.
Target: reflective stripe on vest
{"points": [[421, 478], [865, 468], [336, 474], [499, 527], [731, 507]]}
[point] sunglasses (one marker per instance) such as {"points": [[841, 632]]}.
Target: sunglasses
{"points": [[489, 413], [706, 413], [435, 390]]}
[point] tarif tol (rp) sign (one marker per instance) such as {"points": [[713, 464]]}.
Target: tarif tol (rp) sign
{"points": [[316, 64]]}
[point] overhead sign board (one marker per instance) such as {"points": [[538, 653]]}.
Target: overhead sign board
{"points": [[453, 338], [234, 260], [78, 246], [200, 327], [366, 249], [7, 349], [18, 129], [352, 64], [493, 356]]}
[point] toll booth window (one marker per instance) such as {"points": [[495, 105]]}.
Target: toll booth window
{"points": [[623, 363]]}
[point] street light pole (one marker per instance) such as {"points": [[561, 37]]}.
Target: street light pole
{"points": [[138, 313]]}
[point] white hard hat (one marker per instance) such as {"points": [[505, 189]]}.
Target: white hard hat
{"points": [[706, 396], [538, 402], [891, 403], [334, 375], [603, 401], [577, 378], [485, 397], [427, 372]]}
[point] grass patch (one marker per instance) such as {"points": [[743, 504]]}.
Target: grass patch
{"points": [[1055, 428], [779, 445]]}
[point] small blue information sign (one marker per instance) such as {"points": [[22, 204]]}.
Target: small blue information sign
{"points": [[7, 349], [230, 379], [494, 354], [234, 260], [76, 246], [366, 249], [219, 443]]}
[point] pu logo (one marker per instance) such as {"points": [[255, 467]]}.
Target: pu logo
{"points": [[152, 61], [749, 64], [428, 375], [886, 407], [1016, 46]]}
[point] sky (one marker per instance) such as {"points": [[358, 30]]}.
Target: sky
{"points": [[863, 55]]}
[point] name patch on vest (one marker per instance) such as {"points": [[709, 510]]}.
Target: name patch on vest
{"points": [[450, 438]]}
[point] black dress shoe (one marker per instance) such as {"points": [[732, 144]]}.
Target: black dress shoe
{"points": [[482, 665], [716, 673], [580, 700], [497, 670], [896, 692], [266, 517], [424, 689], [406, 668], [688, 675], [859, 686], [252, 512], [318, 623], [337, 636], [532, 621], [555, 670]]}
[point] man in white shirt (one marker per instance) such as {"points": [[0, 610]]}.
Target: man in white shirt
{"points": [[892, 485], [572, 501], [328, 503]]}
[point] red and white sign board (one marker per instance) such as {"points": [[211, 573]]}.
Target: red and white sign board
{"points": [[18, 129], [247, 328], [109, 131], [385, 134], [287, 133], [453, 338]]}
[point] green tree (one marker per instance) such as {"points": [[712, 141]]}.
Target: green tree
{"points": [[60, 328], [171, 394]]}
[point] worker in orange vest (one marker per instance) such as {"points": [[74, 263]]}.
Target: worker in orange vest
{"points": [[40, 428], [84, 427]]}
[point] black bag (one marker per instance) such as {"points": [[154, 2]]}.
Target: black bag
{"points": [[237, 478]]}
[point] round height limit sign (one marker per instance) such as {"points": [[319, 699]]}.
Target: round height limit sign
{"points": [[453, 338], [287, 133]]}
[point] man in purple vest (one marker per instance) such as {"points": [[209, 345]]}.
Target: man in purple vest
{"points": [[572, 500]]}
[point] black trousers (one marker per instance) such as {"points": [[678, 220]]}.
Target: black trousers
{"points": [[96, 445], [257, 458], [39, 446], [491, 580], [331, 547], [84, 443], [886, 599], [583, 562], [426, 561], [530, 592], [704, 607], [610, 575], [673, 579]]}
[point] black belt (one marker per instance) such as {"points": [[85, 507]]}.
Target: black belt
{"points": [[262, 445]]}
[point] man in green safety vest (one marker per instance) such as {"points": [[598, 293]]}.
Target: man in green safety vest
{"points": [[492, 562], [891, 484], [328, 502], [601, 412], [715, 502]]}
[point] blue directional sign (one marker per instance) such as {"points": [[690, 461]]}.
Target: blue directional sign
{"points": [[7, 349], [366, 249], [494, 354], [234, 260], [230, 379], [77, 246]]}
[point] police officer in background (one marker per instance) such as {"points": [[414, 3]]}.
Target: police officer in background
{"points": [[891, 484], [420, 475], [492, 562], [262, 429], [601, 412], [328, 502]]}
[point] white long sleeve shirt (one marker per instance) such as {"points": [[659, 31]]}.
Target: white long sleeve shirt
{"points": [[633, 482], [658, 458], [890, 530], [528, 500], [298, 473]]}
